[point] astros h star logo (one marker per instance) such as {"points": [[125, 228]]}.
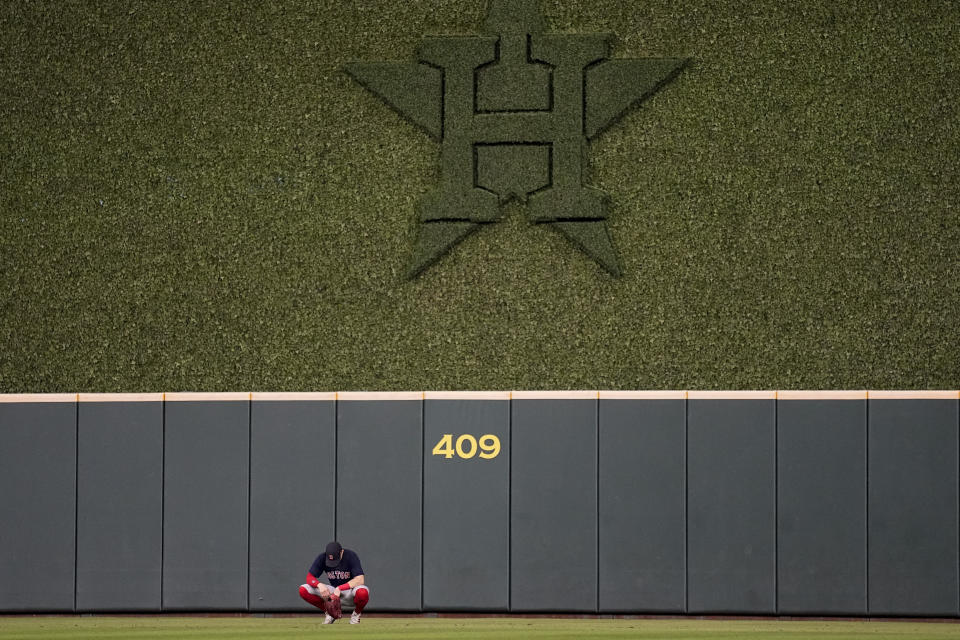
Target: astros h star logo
{"points": [[514, 110]]}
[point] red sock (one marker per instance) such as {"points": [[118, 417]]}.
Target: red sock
{"points": [[316, 601], [360, 599]]}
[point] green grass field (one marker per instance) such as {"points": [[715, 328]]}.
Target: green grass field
{"points": [[83, 628]]}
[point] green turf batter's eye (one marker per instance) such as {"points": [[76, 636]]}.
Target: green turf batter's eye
{"points": [[514, 110]]}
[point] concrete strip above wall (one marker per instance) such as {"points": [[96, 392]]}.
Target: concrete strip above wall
{"points": [[643, 395], [555, 395], [294, 396], [379, 395], [120, 397], [913, 395], [191, 396], [24, 398], [466, 395], [821, 395], [732, 395], [790, 394]]}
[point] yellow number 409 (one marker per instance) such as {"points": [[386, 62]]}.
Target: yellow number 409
{"points": [[466, 446]]}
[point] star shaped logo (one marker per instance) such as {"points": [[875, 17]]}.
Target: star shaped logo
{"points": [[514, 110]]}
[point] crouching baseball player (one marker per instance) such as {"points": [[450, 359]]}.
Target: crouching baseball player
{"points": [[346, 587]]}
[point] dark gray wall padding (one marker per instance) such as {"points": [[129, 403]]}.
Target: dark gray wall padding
{"points": [[379, 485], [205, 507], [292, 463], [642, 505], [913, 507], [119, 506], [38, 458], [822, 506], [466, 510], [553, 546], [612, 502], [731, 557]]}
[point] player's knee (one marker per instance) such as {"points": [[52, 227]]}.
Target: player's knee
{"points": [[304, 592], [361, 597]]}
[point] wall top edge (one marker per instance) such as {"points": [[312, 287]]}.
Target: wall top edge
{"points": [[466, 395], [643, 395], [380, 395], [790, 394], [120, 397], [821, 395], [557, 395], [911, 395], [293, 395], [732, 395], [191, 396], [24, 398]]}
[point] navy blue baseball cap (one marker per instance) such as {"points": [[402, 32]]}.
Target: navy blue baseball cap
{"points": [[333, 554]]}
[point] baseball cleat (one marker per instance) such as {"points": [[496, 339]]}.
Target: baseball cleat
{"points": [[329, 619], [355, 617]]}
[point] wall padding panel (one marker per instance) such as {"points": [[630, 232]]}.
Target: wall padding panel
{"points": [[726, 502], [822, 506], [205, 524], [731, 557], [913, 552], [379, 496], [38, 463], [292, 463], [642, 505], [466, 517], [119, 505], [553, 548]]}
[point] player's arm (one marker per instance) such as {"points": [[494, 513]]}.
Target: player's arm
{"points": [[325, 590], [355, 581]]}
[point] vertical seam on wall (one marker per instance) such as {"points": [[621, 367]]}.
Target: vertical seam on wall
{"points": [[423, 462], [686, 503], [510, 505], [76, 498], [597, 462], [336, 458], [866, 500], [163, 487], [776, 505], [249, 486]]}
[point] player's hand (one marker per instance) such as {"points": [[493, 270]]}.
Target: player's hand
{"points": [[336, 592]]}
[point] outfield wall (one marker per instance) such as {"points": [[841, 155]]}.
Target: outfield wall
{"points": [[833, 503]]}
